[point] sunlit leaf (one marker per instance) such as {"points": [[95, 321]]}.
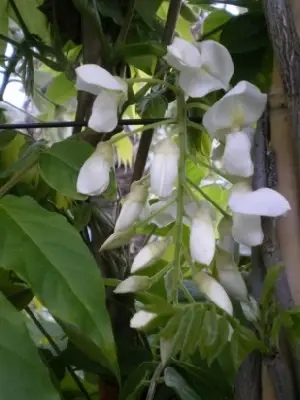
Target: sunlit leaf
{"points": [[48, 253], [124, 149]]}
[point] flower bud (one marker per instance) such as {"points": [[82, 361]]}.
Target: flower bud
{"points": [[132, 207], [164, 168], [141, 319], [133, 284], [214, 291], [116, 240], [93, 178], [202, 238], [230, 277], [149, 255]]}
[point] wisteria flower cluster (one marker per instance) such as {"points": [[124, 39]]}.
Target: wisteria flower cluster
{"points": [[202, 68]]}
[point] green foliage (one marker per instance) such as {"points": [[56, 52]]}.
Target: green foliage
{"points": [[174, 380], [19, 358], [50, 260], [52, 263]]}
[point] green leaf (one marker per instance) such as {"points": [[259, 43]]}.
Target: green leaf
{"points": [[23, 375], [126, 52], [175, 381], [112, 9], [269, 284], [34, 19], [245, 33], [61, 89], [243, 342], [6, 137], [194, 172], [152, 106], [3, 28], [137, 381], [147, 10], [215, 20], [254, 66], [15, 291], [60, 166], [49, 255], [82, 216]]}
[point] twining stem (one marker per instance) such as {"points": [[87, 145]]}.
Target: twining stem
{"points": [[189, 260], [155, 81], [123, 135], [202, 106], [181, 114], [127, 22], [209, 199], [154, 381]]}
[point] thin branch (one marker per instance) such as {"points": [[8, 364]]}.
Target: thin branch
{"points": [[58, 352], [154, 381], [127, 22], [65, 124]]}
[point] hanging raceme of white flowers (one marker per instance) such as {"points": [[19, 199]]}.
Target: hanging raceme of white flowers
{"points": [[202, 68]]}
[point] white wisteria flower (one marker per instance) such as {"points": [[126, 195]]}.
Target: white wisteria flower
{"points": [[214, 291], [132, 207], [164, 168], [203, 67], [133, 284], [237, 155], [202, 237], [141, 319], [149, 254], [226, 241], [93, 178], [230, 277], [240, 107], [168, 214], [111, 92], [247, 208]]}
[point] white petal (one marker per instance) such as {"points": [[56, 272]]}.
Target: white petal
{"points": [[92, 78], [141, 319], [198, 83], [149, 255], [164, 168], [237, 155], [132, 207], [202, 238], [130, 212], [93, 176], [133, 284], [182, 54], [247, 229], [117, 239], [265, 202], [242, 105], [217, 61], [214, 291], [166, 217], [230, 277], [104, 117], [226, 241]]}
